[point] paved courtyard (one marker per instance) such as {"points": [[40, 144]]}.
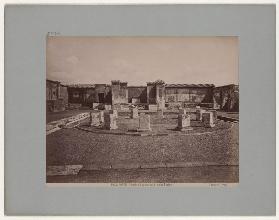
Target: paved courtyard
{"points": [[211, 149]]}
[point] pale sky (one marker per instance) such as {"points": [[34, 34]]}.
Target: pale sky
{"points": [[137, 60]]}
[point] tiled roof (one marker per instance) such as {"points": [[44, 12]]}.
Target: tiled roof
{"points": [[190, 85]]}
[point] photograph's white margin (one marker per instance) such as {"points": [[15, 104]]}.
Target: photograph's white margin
{"points": [[116, 2]]}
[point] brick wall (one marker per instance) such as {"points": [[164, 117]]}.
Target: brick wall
{"points": [[189, 95], [227, 97]]}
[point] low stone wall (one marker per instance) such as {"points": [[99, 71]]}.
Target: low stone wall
{"points": [[66, 122], [56, 105]]}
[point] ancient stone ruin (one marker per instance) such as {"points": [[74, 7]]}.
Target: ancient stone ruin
{"points": [[199, 113], [208, 119], [184, 122], [94, 119], [110, 121], [101, 116], [214, 112], [144, 122]]}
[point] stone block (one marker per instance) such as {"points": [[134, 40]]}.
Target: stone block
{"points": [[94, 119], [110, 121], [134, 113], [184, 122], [208, 120], [144, 122]]}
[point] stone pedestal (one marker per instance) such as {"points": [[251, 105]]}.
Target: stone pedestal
{"points": [[144, 122], [110, 121], [214, 112], [134, 113], [199, 113], [208, 120], [184, 122], [101, 117], [94, 119]]}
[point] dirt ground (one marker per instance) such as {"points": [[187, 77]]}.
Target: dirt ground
{"points": [[98, 147]]}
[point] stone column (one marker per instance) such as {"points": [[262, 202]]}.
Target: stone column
{"points": [[119, 92], [160, 95]]}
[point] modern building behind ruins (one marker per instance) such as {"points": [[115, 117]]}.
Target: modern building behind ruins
{"points": [[155, 95]]}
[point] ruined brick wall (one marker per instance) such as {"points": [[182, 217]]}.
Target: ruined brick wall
{"points": [[189, 95], [64, 95], [89, 96], [156, 93], [102, 93], [119, 92], [139, 92], [56, 96], [75, 95], [52, 91], [227, 97], [160, 95]]}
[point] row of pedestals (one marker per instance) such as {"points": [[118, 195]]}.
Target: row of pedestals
{"points": [[108, 118]]}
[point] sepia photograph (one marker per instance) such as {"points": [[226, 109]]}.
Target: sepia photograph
{"points": [[135, 111]]}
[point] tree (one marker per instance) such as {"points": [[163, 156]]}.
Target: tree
{"points": [[159, 81]]}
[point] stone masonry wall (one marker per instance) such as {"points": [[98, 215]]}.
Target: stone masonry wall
{"points": [[227, 98], [119, 92]]}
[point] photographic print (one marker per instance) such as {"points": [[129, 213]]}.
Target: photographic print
{"points": [[142, 110]]}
